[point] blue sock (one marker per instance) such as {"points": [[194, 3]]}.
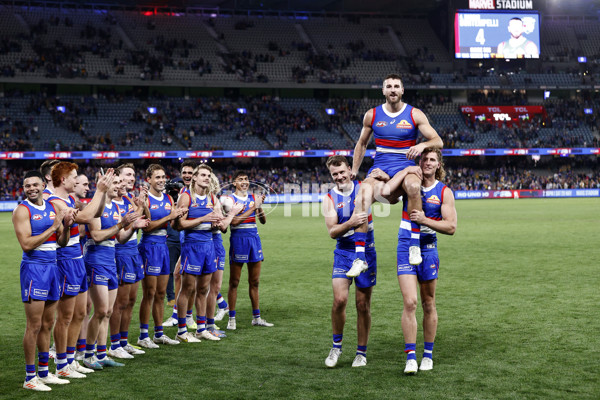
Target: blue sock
{"points": [[81, 344], [210, 322], [70, 355], [337, 341], [410, 349], [29, 372], [43, 358], [158, 331], [174, 315], [101, 352], [124, 336], [143, 331], [221, 301], [231, 313], [189, 314], [182, 326], [359, 245], [115, 341], [61, 360], [361, 350], [428, 352], [201, 322], [89, 350], [256, 313], [415, 234]]}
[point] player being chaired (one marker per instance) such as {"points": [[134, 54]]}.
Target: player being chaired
{"points": [[396, 126]]}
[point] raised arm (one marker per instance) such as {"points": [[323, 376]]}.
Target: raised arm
{"points": [[363, 141], [95, 207]]}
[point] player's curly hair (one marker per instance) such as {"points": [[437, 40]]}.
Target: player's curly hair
{"points": [[440, 173], [215, 186], [152, 168]]}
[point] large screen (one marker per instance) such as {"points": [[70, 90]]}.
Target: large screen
{"points": [[489, 34]]}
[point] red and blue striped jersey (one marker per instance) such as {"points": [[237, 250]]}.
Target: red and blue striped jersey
{"points": [[72, 249], [159, 207], [41, 218], [344, 206], [199, 208], [103, 253]]}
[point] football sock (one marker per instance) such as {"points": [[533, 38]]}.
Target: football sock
{"points": [[189, 314], [201, 322], [415, 234], [158, 331], [43, 358], [361, 350], [428, 352], [81, 344], [181, 326], [231, 313], [337, 341], [29, 372], [124, 336], [359, 245], [143, 331], [174, 315], [70, 354], [101, 352], [410, 350], [210, 322], [115, 341], [221, 301], [89, 350], [61, 360], [256, 313]]}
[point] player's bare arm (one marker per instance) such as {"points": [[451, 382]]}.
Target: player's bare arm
{"points": [[433, 139], [447, 225], [361, 145], [331, 220], [20, 220]]}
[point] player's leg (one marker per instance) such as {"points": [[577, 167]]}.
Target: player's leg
{"points": [[202, 289], [174, 253], [126, 316], [158, 308], [235, 272], [66, 306], [189, 317], [187, 284], [365, 197], [172, 320], [211, 301], [99, 296], [408, 287], [340, 287], [430, 322], [82, 340], [412, 187], [34, 310], [148, 291], [101, 349], [363, 324], [253, 283], [119, 308], [43, 345], [75, 328]]}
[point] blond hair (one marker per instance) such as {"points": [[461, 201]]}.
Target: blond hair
{"points": [[192, 187]]}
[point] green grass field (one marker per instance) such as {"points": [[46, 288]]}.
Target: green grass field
{"points": [[517, 302]]}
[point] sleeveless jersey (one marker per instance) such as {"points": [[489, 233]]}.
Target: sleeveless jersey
{"points": [[41, 218], [198, 209], [344, 206], [432, 198], [248, 226], [394, 134], [48, 191], [73, 248], [103, 253], [129, 248], [159, 207]]}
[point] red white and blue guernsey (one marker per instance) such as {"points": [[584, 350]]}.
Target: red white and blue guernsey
{"points": [[38, 266], [394, 134], [71, 268], [129, 262], [432, 197], [245, 245], [153, 246], [100, 256], [197, 249], [343, 203]]}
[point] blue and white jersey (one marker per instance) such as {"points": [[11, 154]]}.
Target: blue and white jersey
{"points": [[103, 253], [248, 226], [394, 133], [343, 203], [130, 248], [159, 207], [41, 218], [73, 248], [432, 198], [198, 208]]}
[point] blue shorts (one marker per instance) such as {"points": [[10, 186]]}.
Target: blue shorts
{"points": [[220, 255], [426, 271], [245, 249], [103, 275], [130, 268], [72, 277], [342, 262], [393, 166], [198, 258], [155, 257], [39, 282]]}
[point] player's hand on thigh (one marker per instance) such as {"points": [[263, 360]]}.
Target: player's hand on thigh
{"points": [[379, 175]]}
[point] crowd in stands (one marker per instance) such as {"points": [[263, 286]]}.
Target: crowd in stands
{"points": [[498, 176]]}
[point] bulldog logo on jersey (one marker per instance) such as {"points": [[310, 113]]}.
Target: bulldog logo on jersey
{"points": [[381, 124], [36, 217], [434, 200], [404, 124]]}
